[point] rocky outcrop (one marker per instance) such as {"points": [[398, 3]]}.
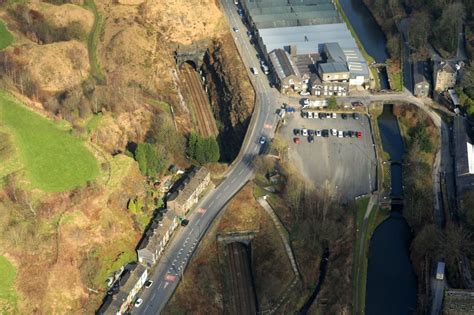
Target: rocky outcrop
{"points": [[231, 94]]}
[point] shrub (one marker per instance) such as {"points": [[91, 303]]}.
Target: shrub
{"points": [[151, 161], [203, 150]]}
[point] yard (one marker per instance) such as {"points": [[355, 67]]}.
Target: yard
{"points": [[6, 38], [53, 159], [7, 291]]}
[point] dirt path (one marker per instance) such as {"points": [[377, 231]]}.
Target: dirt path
{"points": [[197, 100]]}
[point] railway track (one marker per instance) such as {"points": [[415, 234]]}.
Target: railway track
{"points": [[205, 121], [244, 301]]}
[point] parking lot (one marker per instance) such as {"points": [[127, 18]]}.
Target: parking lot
{"points": [[347, 163]]}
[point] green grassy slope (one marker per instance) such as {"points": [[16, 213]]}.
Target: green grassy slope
{"points": [[53, 159], [8, 296], [6, 38]]}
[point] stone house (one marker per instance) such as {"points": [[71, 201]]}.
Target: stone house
{"points": [[445, 75], [182, 199], [421, 85], [124, 291], [287, 74], [156, 237]]}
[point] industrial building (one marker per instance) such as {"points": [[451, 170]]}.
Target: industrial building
{"points": [[316, 41]]}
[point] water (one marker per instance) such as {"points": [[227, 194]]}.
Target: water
{"points": [[392, 144], [391, 280], [369, 33]]}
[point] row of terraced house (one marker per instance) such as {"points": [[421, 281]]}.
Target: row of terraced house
{"points": [[179, 202]]}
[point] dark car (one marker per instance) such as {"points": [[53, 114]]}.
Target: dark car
{"points": [[355, 116], [310, 139], [345, 134], [296, 132], [325, 133], [322, 115], [354, 134], [311, 132], [344, 116], [184, 222], [349, 133]]}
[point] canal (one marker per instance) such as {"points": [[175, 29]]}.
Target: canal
{"points": [[391, 280], [369, 33]]}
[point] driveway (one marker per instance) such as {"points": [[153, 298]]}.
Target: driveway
{"points": [[347, 165]]}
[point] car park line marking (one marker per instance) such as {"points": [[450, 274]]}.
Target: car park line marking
{"points": [[147, 307], [166, 284], [191, 232], [210, 205], [153, 296], [241, 171]]}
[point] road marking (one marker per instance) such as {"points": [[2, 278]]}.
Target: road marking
{"points": [[191, 232], [233, 180], [210, 205], [199, 219], [166, 284], [201, 210], [241, 171], [153, 296], [170, 277], [225, 188]]}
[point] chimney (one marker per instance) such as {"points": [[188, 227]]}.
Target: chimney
{"points": [[293, 50]]}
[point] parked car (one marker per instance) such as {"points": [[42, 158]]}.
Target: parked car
{"points": [[322, 115], [310, 114], [235, 29], [262, 140], [334, 132], [353, 134], [340, 134], [296, 140], [148, 283], [304, 132], [311, 132], [357, 104], [318, 133], [359, 134], [249, 33], [304, 93], [345, 134], [344, 116], [355, 116], [254, 70], [333, 115], [296, 132], [290, 110], [262, 62], [328, 115], [325, 133], [310, 139], [138, 302], [305, 101], [184, 222]]}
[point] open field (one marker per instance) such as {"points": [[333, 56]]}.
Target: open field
{"points": [[7, 290], [53, 159], [6, 38]]}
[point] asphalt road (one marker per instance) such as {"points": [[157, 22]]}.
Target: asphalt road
{"points": [[348, 165], [171, 266]]}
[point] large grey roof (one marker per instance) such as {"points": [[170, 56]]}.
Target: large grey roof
{"points": [[333, 67], [283, 65], [334, 52], [310, 40]]}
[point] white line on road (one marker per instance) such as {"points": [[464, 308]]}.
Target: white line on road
{"points": [[153, 296], [199, 219], [241, 171], [233, 180], [210, 205]]}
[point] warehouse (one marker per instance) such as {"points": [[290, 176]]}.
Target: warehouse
{"points": [[306, 28]]}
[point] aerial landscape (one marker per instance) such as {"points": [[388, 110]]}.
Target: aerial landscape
{"points": [[237, 157]]}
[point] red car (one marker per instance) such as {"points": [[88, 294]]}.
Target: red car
{"points": [[359, 134], [296, 140]]}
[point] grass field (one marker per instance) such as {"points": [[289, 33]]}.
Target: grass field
{"points": [[92, 41], [53, 159], [6, 38], [8, 298]]}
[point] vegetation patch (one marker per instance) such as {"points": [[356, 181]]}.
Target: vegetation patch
{"points": [[54, 160], [6, 38], [93, 40], [8, 297]]}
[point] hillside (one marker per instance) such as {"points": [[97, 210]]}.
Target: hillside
{"points": [[82, 83]]}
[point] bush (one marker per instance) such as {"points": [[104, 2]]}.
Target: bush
{"points": [[151, 162], [203, 150]]}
